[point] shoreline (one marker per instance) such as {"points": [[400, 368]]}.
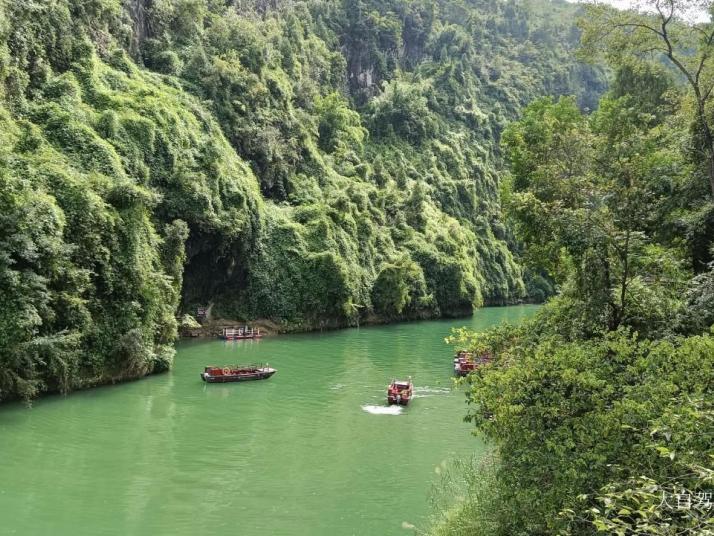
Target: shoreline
{"points": [[270, 328]]}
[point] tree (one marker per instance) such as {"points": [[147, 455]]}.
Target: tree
{"points": [[668, 29], [582, 188]]}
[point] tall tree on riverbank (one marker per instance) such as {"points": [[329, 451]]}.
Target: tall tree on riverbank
{"points": [[669, 29], [677, 34], [582, 192]]}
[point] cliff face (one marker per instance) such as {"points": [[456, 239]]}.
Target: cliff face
{"points": [[137, 11], [303, 162]]}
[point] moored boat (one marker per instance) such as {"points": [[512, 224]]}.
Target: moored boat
{"points": [[465, 362], [241, 333], [400, 392], [237, 373]]}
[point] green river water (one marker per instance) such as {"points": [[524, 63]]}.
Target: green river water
{"points": [[311, 451]]}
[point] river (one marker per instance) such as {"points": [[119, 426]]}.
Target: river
{"points": [[311, 451]]}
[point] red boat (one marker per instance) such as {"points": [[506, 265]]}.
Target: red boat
{"points": [[238, 373], [237, 334], [465, 362], [400, 392]]}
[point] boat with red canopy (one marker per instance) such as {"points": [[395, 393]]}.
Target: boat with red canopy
{"points": [[400, 392], [465, 362], [237, 373]]}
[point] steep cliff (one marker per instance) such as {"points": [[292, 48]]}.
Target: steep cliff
{"points": [[312, 163]]}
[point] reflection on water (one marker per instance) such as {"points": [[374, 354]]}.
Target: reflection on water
{"points": [[302, 453]]}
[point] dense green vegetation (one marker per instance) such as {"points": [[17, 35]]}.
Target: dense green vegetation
{"points": [[600, 410], [313, 163], [326, 162]]}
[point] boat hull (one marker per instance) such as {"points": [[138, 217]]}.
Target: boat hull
{"points": [[398, 401], [240, 337], [232, 378], [462, 372]]}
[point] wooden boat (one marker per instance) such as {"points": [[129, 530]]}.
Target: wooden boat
{"points": [[237, 334], [465, 362], [400, 392], [238, 373]]}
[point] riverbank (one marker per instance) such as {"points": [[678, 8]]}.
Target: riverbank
{"points": [[213, 327]]}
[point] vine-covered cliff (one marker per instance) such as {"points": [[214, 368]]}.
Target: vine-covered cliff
{"points": [[309, 162]]}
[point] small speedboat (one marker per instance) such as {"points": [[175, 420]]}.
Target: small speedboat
{"points": [[465, 362], [400, 392], [237, 373]]}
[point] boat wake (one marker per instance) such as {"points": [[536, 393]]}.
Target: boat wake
{"points": [[383, 410], [423, 392], [336, 387]]}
